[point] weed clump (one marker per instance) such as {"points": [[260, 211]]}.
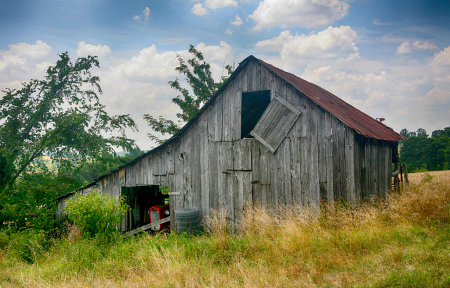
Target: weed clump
{"points": [[97, 215]]}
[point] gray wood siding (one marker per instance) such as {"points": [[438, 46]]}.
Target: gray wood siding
{"points": [[320, 159]]}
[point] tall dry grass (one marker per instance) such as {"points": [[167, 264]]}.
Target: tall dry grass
{"points": [[437, 176], [401, 241]]}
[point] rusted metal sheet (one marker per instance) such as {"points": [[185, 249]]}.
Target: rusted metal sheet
{"points": [[356, 119]]}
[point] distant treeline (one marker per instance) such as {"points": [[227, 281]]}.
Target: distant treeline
{"points": [[421, 152]]}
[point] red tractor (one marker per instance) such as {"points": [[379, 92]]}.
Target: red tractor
{"points": [[159, 212]]}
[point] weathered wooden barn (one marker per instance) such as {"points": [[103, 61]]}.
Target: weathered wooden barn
{"points": [[266, 136]]}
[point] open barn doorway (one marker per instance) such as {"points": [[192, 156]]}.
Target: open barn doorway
{"points": [[141, 199]]}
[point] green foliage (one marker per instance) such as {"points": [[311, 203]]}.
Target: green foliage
{"points": [[30, 198], [202, 85], [4, 240], [97, 215], [28, 245], [164, 189], [423, 153], [60, 116]]}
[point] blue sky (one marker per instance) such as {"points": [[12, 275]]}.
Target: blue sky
{"points": [[390, 59]]}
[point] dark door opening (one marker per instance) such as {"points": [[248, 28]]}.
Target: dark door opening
{"points": [[253, 106], [141, 199]]}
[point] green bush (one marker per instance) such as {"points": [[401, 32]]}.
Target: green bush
{"points": [[28, 245], [97, 215], [4, 240]]}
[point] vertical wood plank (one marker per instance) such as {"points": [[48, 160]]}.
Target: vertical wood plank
{"points": [[213, 166], [226, 180], [226, 117], [256, 172], [242, 193], [279, 164], [256, 85], [305, 152], [215, 121], [366, 168], [204, 167], [286, 166], [275, 184], [349, 165], [171, 181], [296, 185], [358, 166], [391, 147], [170, 161], [336, 159], [195, 167], [242, 156], [322, 157], [329, 156], [314, 192]]}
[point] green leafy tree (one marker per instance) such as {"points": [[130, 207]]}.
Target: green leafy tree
{"points": [[30, 203], [405, 133], [59, 116], [421, 132], [421, 152], [202, 88]]}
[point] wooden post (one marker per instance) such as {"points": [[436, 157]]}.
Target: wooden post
{"points": [[406, 174], [401, 173], [395, 174]]}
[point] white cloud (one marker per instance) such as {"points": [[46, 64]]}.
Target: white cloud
{"points": [[23, 62], [89, 49], [149, 65], [407, 47], [399, 93], [377, 21], [333, 42], [216, 56], [215, 4], [228, 31], [443, 81], [377, 98], [38, 50], [301, 13], [424, 45], [159, 67], [404, 48], [237, 21], [441, 58], [437, 96], [146, 12], [199, 10]]}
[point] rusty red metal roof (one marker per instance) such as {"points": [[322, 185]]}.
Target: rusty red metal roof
{"points": [[354, 118]]}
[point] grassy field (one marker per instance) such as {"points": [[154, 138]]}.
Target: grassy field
{"points": [[403, 241], [438, 176]]}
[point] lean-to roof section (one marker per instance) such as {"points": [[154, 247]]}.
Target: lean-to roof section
{"points": [[356, 119]]}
